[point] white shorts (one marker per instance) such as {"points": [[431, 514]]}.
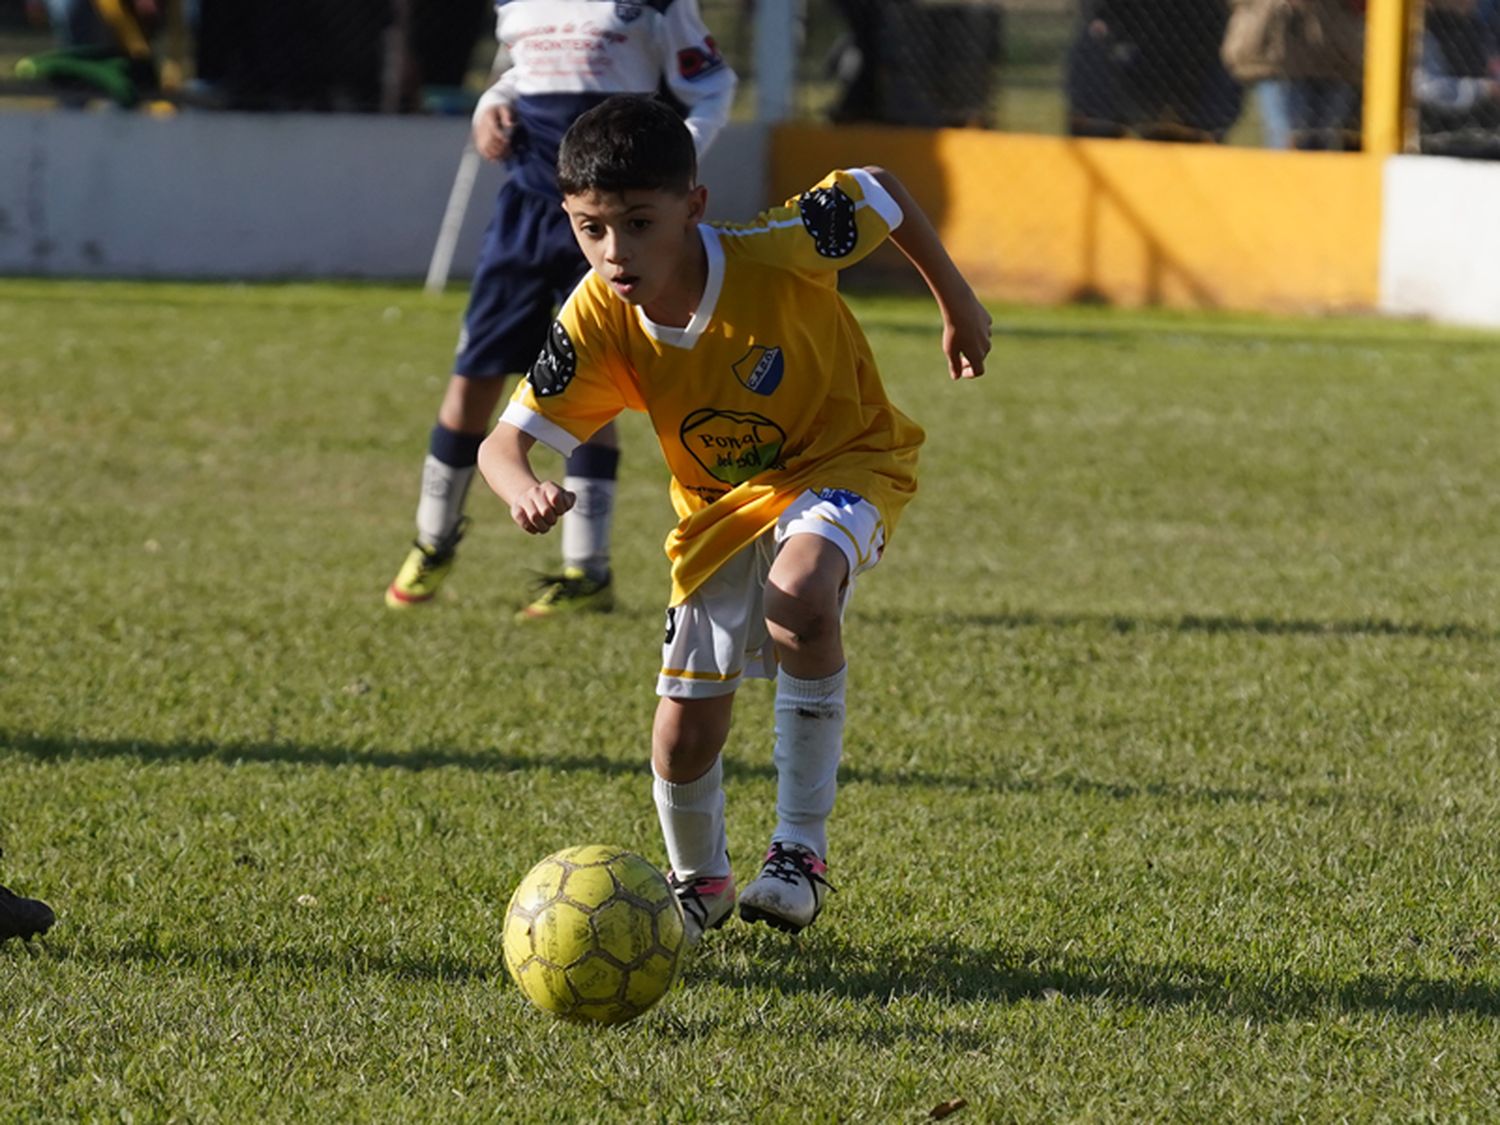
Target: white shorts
{"points": [[718, 636]]}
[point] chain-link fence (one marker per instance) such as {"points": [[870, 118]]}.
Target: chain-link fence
{"points": [[1456, 79], [1272, 73]]}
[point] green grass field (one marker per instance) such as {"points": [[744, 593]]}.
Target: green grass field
{"points": [[1172, 780]]}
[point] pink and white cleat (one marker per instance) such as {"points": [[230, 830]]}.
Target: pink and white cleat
{"points": [[706, 904], [788, 892]]}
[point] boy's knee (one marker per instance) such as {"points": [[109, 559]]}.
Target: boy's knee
{"points": [[469, 404], [688, 735], [802, 618]]}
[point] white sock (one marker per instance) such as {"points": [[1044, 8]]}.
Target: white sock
{"points": [[692, 823], [585, 529], [442, 504], [809, 743]]}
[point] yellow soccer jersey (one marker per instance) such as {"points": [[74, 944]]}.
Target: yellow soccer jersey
{"points": [[769, 391]]}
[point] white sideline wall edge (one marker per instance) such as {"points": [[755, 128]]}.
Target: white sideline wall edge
{"points": [[1440, 239], [260, 196]]}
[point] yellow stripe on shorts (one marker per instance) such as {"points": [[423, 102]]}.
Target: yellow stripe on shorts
{"points": [[688, 674]]}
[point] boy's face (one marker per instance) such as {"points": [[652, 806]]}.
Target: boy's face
{"points": [[638, 241]]}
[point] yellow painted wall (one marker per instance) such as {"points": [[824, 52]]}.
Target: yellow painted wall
{"points": [[1128, 222]]}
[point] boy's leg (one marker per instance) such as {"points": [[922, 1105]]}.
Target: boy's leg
{"points": [[505, 325], [802, 612], [825, 540], [802, 603], [447, 472], [688, 788], [590, 475], [713, 640], [686, 741], [585, 584], [453, 455]]}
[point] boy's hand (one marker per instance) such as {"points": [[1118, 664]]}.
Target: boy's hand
{"points": [[540, 507], [492, 132], [966, 338]]}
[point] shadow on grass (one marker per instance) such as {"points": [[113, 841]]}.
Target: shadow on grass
{"points": [[253, 959], [823, 964], [1187, 623], [66, 748]]}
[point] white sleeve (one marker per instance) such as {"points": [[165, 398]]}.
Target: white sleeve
{"points": [[695, 71], [503, 92]]}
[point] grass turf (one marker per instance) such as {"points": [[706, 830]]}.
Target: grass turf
{"points": [[1171, 778]]}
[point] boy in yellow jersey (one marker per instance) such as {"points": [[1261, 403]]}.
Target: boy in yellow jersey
{"points": [[789, 464]]}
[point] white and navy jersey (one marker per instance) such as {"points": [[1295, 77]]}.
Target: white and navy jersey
{"points": [[566, 56]]}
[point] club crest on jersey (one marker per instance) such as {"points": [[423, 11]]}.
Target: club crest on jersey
{"points": [[695, 62], [840, 496], [732, 447], [555, 367], [760, 369], [828, 215], [627, 13]]}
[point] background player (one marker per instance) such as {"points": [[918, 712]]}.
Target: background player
{"points": [[789, 463], [566, 57]]}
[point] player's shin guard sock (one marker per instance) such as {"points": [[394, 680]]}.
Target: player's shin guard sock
{"points": [[446, 475], [809, 742], [591, 473], [692, 823]]}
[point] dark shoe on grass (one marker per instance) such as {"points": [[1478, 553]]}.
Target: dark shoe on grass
{"points": [[23, 917]]}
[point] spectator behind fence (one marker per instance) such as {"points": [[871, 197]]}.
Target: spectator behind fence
{"points": [[1151, 67], [291, 54], [1457, 82], [1304, 59], [337, 55], [904, 63], [104, 49]]}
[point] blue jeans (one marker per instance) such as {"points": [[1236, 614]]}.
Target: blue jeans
{"points": [[75, 23], [1321, 109], [1274, 97]]}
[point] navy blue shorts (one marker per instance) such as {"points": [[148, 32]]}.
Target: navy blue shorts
{"points": [[528, 264]]}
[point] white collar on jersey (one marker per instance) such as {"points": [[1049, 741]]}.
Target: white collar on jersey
{"points": [[687, 337]]}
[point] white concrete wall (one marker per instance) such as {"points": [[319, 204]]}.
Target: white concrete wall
{"points": [[1440, 239], [261, 196]]}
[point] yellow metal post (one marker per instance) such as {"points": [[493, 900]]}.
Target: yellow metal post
{"points": [[1387, 76]]}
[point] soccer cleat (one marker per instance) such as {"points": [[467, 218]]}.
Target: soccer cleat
{"points": [[23, 917], [706, 904], [424, 570], [788, 892], [572, 591]]}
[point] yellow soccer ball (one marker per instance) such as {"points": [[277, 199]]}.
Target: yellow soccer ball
{"points": [[593, 934]]}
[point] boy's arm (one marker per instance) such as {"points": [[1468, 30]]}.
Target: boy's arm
{"points": [[536, 505], [695, 72], [493, 117], [966, 323]]}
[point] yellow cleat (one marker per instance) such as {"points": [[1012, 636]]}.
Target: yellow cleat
{"points": [[423, 571], [572, 591]]}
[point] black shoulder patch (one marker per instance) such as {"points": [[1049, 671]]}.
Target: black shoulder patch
{"points": [[555, 367], [828, 215]]}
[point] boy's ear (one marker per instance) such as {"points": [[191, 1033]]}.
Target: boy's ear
{"points": [[697, 204]]}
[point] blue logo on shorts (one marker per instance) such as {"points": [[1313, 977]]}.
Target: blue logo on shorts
{"points": [[841, 496], [760, 369]]}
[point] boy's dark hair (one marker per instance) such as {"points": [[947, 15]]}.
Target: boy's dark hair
{"points": [[629, 142]]}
